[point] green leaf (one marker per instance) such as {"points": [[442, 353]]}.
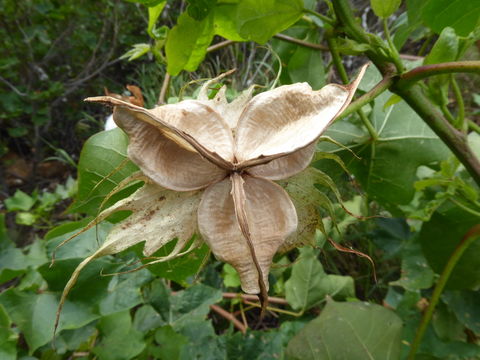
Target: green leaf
{"points": [[306, 65], [120, 340], [458, 14], [230, 276], [384, 8], [124, 292], [345, 331], [170, 343], [100, 170], [187, 43], [19, 202], [137, 51], [81, 246], [439, 238], [34, 314], [259, 20], [309, 284], [153, 14], [445, 48], [90, 288], [466, 306], [187, 305], [199, 9], [8, 338], [415, 274], [180, 269], [202, 340], [225, 23]]}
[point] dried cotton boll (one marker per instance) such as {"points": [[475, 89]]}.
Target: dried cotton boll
{"points": [[214, 162]]}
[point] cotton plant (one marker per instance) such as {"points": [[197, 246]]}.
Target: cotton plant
{"points": [[209, 167]]}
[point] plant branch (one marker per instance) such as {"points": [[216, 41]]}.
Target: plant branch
{"points": [[473, 126], [301, 42], [220, 45], [467, 240], [363, 100], [164, 89], [454, 139], [425, 71], [324, 18], [413, 94], [271, 299], [237, 323]]}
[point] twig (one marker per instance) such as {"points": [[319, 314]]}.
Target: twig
{"points": [[164, 89], [422, 72], [271, 299], [11, 86], [301, 42], [229, 317], [220, 45], [378, 89]]}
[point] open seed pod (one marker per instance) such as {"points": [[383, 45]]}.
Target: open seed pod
{"points": [[224, 157]]}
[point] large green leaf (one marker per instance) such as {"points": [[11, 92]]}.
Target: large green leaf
{"points": [[100, 171], [388, 165], [459, 14], [187, 43], [344, 331], [439, 238], [120, 340], [309, 284], [34, 314], [259, 20], [306, 65]]}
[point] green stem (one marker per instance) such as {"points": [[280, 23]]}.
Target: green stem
{"points": [[301, 42], [460, 121], [466, 241], [425, 71], [473, 126], [324, 18], [393, 50], [425, 44], [363, 100], [413, 94], [337, 61], [448, 115]]}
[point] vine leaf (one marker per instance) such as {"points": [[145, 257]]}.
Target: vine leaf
{"points": [[351, 330]]}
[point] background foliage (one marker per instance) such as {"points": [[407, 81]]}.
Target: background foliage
{"points": [[418, 200]]}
